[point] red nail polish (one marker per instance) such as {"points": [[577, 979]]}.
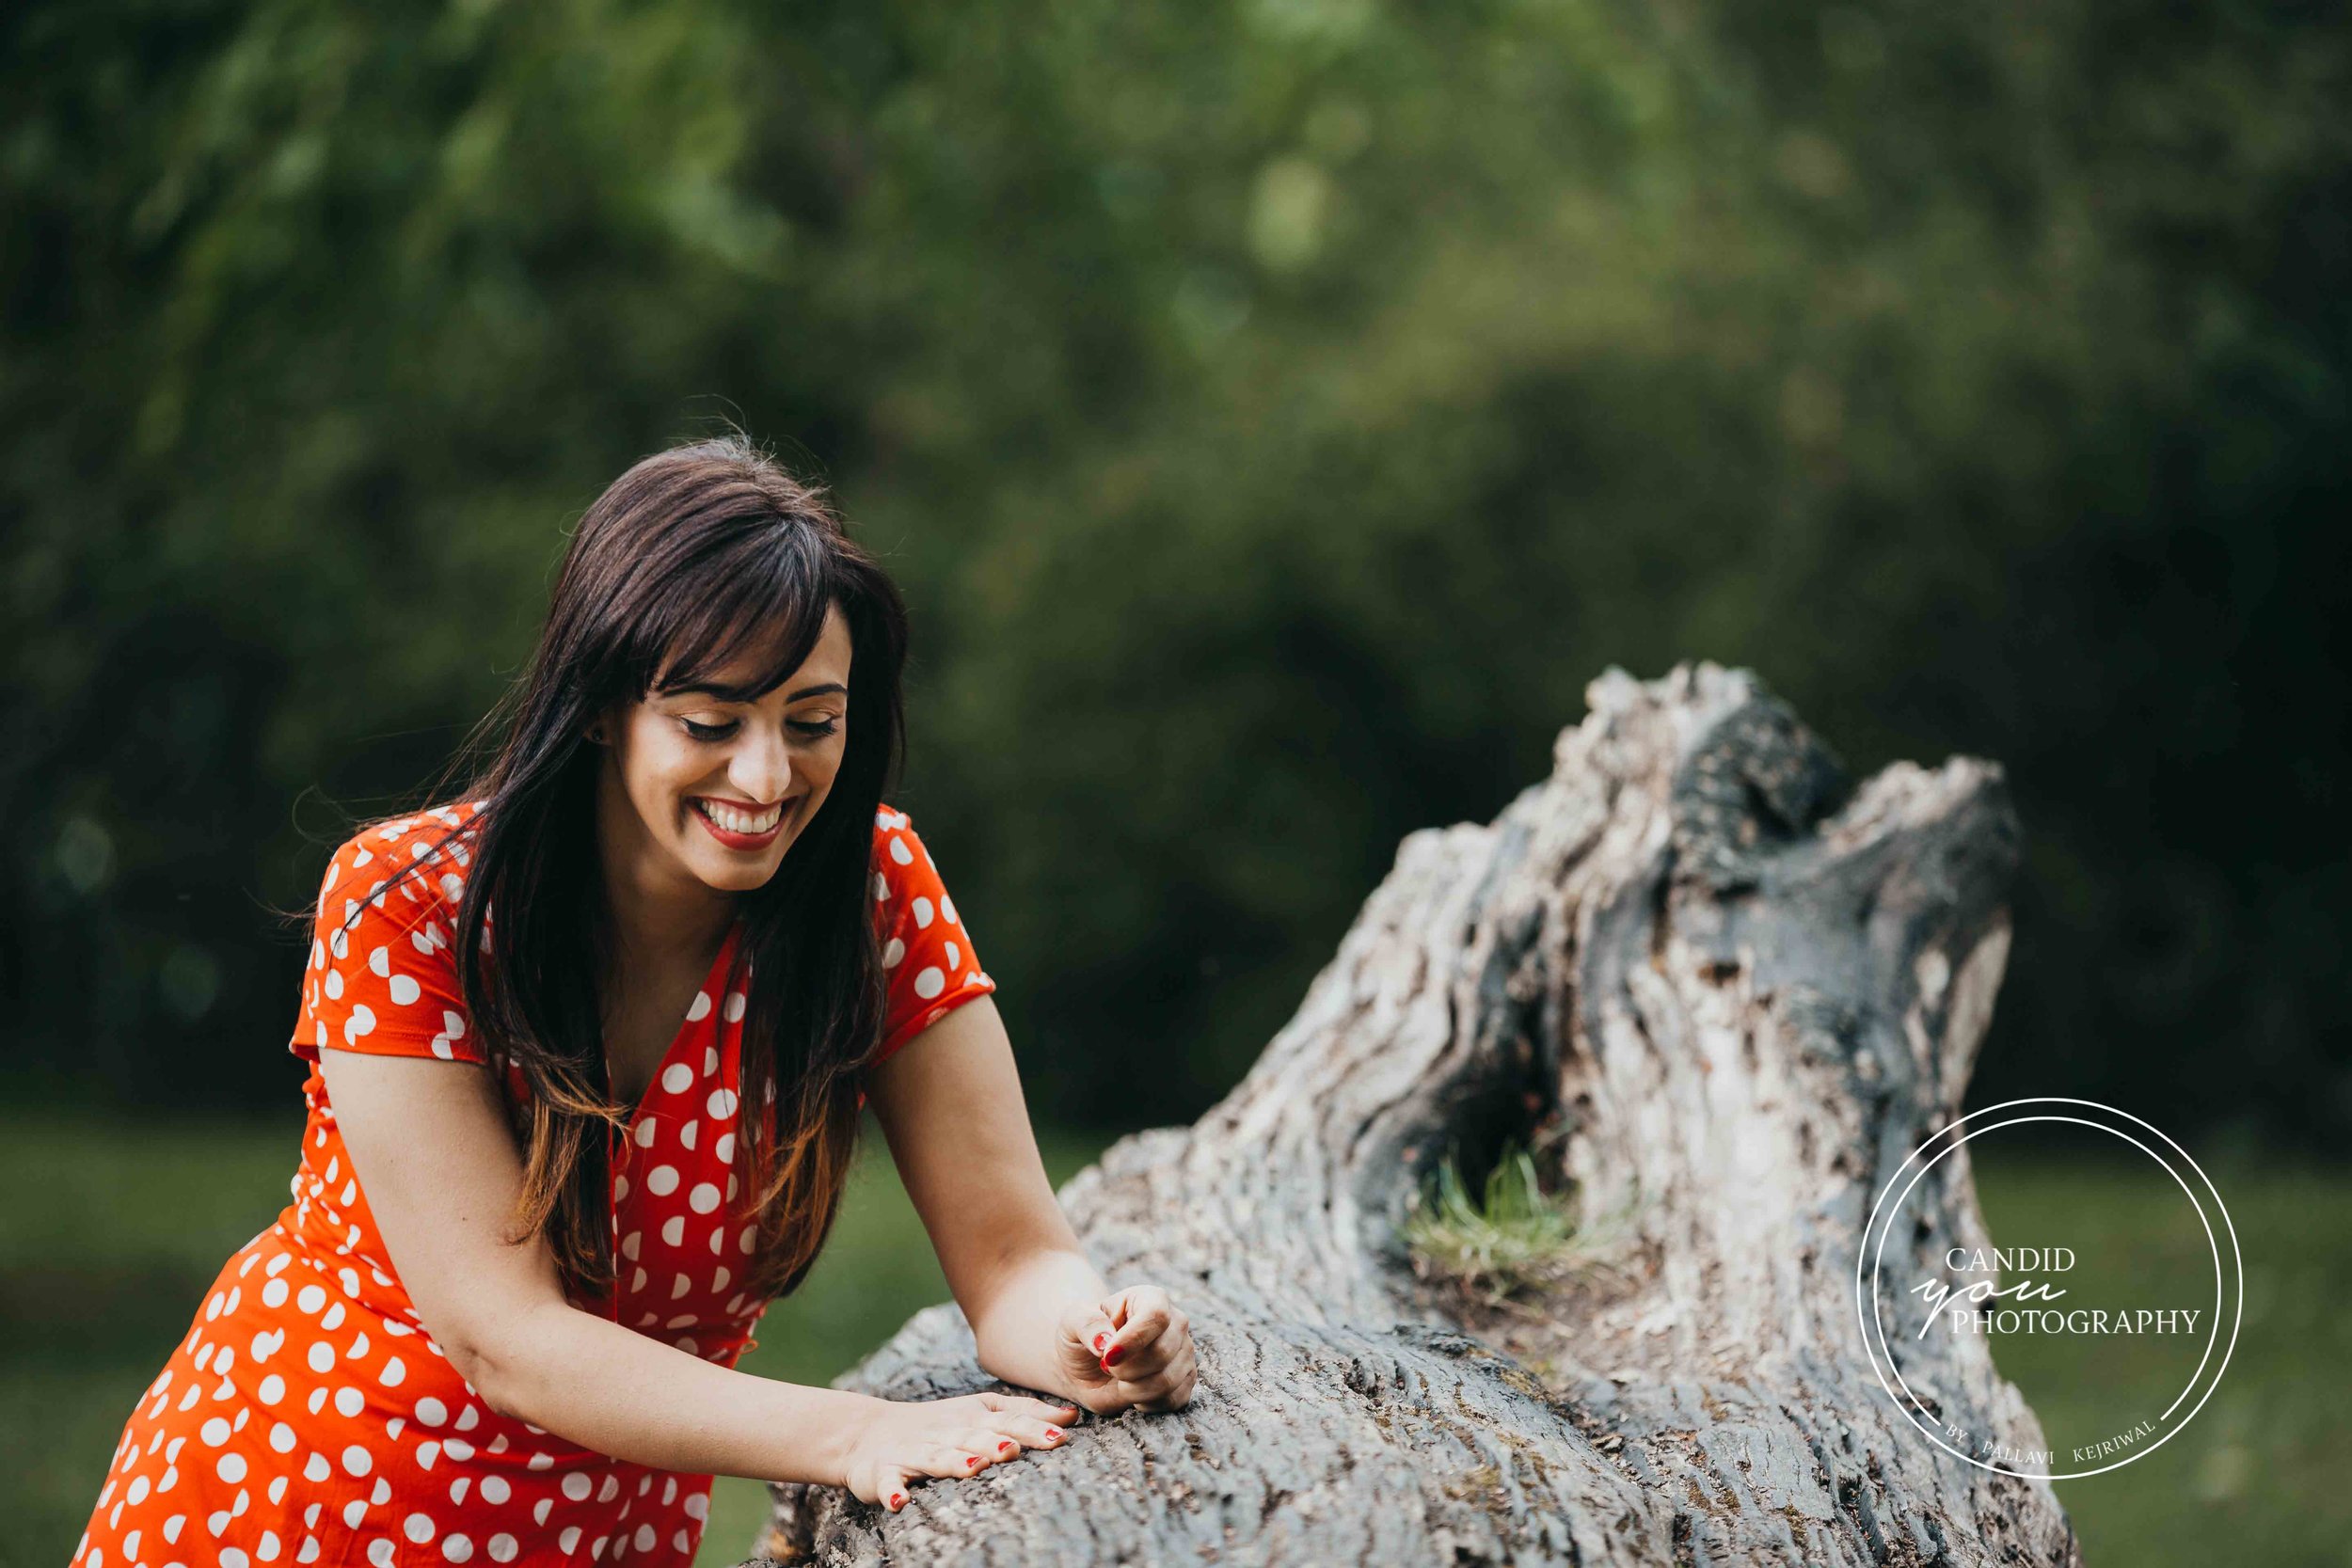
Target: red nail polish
{"points": [[1098, 1342], [1055, 1433], [972, 1460], [1004, 1448], [1112, 1359], [897, 1500]]}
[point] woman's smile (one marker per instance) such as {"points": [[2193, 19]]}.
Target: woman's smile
{"points": [[738, 825]]}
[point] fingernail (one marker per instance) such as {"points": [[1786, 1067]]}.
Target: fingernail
{"points": [[1098, 1342], [1112, 1359]]}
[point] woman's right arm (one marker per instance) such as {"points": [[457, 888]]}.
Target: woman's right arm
{"points": [[440, 1171]]}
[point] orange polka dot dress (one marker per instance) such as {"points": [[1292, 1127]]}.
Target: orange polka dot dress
{"points": [[308, 1417]]}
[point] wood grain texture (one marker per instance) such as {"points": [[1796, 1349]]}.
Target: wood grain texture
{"points": [[1730, 990]]}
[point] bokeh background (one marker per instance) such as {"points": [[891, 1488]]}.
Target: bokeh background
{"points": [[1276, 412]]}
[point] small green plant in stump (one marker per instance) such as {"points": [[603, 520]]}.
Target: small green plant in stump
{"points": [[1511, 1238]]}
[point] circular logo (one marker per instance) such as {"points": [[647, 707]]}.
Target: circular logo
{"points": [[2111, 1297]]}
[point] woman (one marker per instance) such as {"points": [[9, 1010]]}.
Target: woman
{"points": [[589, 1049]]}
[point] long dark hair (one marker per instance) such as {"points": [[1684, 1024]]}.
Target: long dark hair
{"points": [[693, 556]]}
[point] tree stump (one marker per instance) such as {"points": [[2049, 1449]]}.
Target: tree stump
{"points": [[1727, 991]]}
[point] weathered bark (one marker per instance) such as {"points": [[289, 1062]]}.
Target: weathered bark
{"points": [[1732, 990]]}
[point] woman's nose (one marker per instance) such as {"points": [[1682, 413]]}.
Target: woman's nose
{"points": [[762, 768]]}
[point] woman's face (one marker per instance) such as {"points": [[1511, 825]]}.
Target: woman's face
{"points": [[723, 787]]}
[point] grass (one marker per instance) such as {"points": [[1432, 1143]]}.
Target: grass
{"points": [[1513, 1237], [112, 1231]]}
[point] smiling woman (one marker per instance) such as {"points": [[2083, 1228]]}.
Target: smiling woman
{"points": [[588, 1049]]}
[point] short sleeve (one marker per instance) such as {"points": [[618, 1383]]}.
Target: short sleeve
{"points": [[928, 960], [382, 976]]}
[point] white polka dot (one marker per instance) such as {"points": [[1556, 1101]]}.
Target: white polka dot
{"points": [[899, 852], [393, 1373], [645, 1537], [700, 1008], [720, 1104], [322, 1357], [929, 983], [380, 961], [358, 1460], [576, 1486], [893, 954], [569, 1539], [349, 1402], [214, 1433], [379, 1551], [494, 1489], [663, 1181], [457, 1548], [732, 1011], [275, 1293], [281, 1437], [923, 914], [419, 1528], [698, 1505], [644, 1133], [404, 988], [743, 1243], [724, 1149], [231, 1467], [629, 1244], [317, 1469], [431, 1412], [678, 1078], [361, 1021], [452, 1024], [672, 1231], [232, 1557], [502, 1548], [334, 984], [955, 958], [703, 1198], [946, 908], [881, 889]]}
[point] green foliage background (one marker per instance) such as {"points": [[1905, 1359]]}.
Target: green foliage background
{"points": [[1275, 413]]}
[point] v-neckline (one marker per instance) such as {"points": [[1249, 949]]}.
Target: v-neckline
{"points": [[711, 988]]}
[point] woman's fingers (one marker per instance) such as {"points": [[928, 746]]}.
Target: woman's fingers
{"points": [[1149, 1328], [1028, 1433], [1166, 1389], [954, 1459], [1021, 1405]]}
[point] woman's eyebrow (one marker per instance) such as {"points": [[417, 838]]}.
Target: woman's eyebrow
{"points": [[740, 694]]}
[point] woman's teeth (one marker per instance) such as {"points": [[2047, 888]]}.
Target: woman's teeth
{"points": [[741, 822]]}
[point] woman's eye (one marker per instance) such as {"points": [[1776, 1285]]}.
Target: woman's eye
{"points": [[711, 731], [816, 729]]}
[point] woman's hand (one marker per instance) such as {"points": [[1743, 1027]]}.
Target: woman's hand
{"points": [[902, 1439], [1133, 1348]]}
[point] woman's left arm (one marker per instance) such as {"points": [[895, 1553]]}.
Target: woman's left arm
{"points": [[950, 1106]]}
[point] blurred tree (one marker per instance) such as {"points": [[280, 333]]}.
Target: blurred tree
{"points": [[1276, 415]]}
